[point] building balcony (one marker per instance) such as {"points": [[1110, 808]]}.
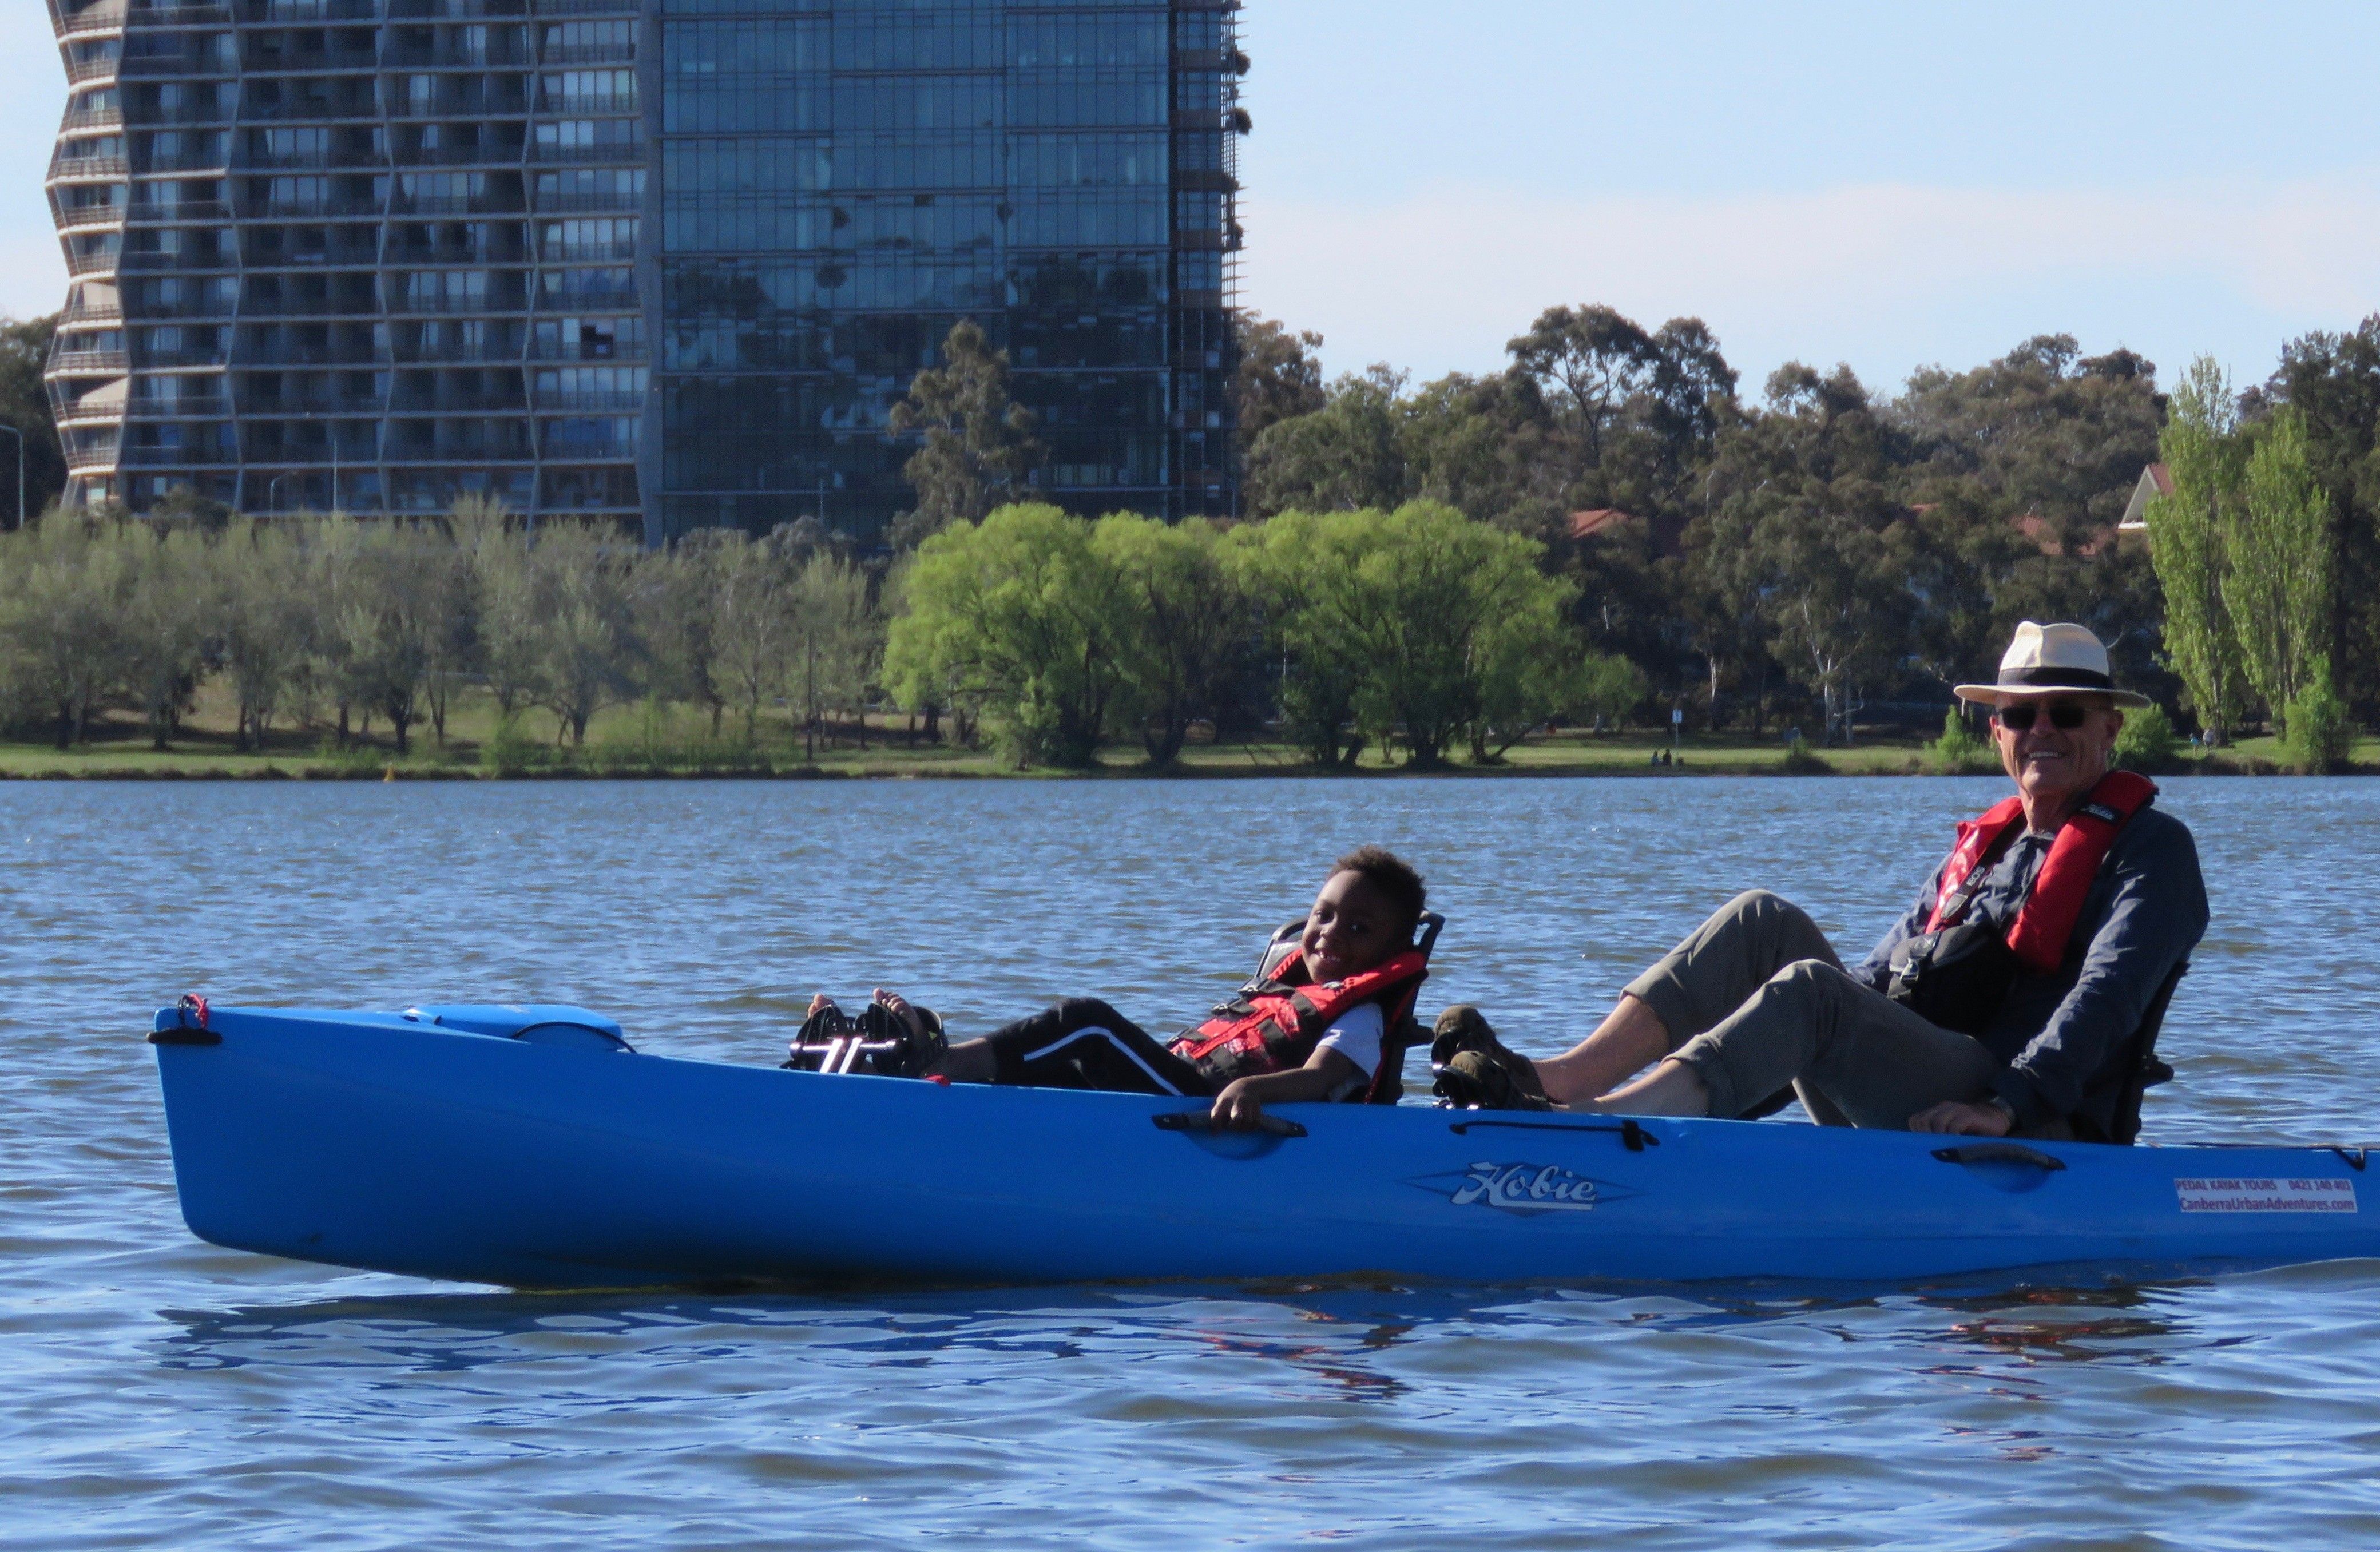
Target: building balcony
{"points": [[460, 156], [311, 210], [586, 7], [590, 203], [309, 355], [105, 313], [92, 119], [459, 353], [311, 309], [588, 402], [84, 169], [96, 363], [91, 20], [173, 64], [591, 54], [459, 404], [310, 408], [187, 407], [180, 213], [166, 360], [308, 62], [456, 10], [173, 457], [90, 219], [82, 70], [178, 13], [217, 162], [81, 265], [482, 204], [626, 153], [182, 115], [590, 253], [310, 10], [83, 460], [310, 161], [438, 307], [450, 58], [593, 103], [196, 309], [166, 263], [85, 412]]}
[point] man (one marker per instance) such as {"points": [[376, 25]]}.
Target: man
{"points": [[2005, 1000]]}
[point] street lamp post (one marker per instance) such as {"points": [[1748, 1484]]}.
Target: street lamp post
{"points": [[273, 491]]}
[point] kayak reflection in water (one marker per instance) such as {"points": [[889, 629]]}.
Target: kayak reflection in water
{"points": [[1324, 1018], [2020, 994]]}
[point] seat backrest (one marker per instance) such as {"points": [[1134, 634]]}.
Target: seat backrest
{"points": [[1399, 1029], [2141, 1069]]}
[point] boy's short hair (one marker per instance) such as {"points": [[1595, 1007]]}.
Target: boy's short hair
{"points": [[1393, 877]]}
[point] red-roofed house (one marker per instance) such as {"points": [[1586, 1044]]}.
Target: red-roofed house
{"points": [[2155, 480]]}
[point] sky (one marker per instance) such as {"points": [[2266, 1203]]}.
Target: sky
{"points": [[1889, 185]]}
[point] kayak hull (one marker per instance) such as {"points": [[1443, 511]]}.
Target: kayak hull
{"points": [[380, 1141]]}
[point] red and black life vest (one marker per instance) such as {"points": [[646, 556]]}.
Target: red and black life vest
{"points": [[2044, 923], [1278, 1019], [1957, 973]]}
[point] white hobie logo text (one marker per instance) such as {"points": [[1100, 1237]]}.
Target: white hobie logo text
{"points": [[1525, 1188]]}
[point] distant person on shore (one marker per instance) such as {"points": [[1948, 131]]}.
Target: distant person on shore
{"points": [[2007, 1000], [1323, 1019]]}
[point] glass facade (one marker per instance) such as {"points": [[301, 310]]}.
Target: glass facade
{"points": [[839, 183], [668, 259]]}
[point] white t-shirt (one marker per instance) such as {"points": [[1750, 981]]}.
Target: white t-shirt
{"points": [[1357, 1036]]}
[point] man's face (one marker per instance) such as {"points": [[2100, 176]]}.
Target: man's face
{"points": [[2053, 764], [1351, 927]]}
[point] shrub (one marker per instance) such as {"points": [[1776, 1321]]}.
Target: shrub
{"points": [[1800, 761], [509, 752], [2148, 741], [1960, 752], [2317, 733]]}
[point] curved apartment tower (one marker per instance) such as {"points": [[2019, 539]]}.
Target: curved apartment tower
{"points": [[667, 260]]}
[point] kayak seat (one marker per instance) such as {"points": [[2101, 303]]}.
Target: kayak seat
{"points": [[538, 1023], [1401, 1030]]}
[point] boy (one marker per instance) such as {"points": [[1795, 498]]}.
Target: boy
{"points": [[1314, 1026]]}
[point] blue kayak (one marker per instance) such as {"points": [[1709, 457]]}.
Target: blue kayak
{"points": [[532, 1146]]}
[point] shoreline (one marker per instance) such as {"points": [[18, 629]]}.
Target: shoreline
{"points": [[389, 771]]}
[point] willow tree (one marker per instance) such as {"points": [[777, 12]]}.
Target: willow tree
{"points": [[2277, 583], [2201, 449]]}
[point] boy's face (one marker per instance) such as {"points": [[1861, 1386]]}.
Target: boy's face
{"points": [[1351, 927]]}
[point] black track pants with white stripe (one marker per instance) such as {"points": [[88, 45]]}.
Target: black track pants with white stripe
{"points": [[1083, 1043]]}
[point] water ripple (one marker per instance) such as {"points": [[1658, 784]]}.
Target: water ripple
{"points": [[167, 1393]]}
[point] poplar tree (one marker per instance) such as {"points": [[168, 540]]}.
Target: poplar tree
{"points": [[2200, 446], [2276, 585]]}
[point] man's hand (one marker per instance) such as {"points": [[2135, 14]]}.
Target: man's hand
{"points": [[1237, 1109], [1959, 1119]]}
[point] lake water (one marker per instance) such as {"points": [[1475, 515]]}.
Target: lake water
{"points": [[156, 1391]]}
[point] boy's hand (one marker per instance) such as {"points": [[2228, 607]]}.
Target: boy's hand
{"points": [[1237, 1109]]}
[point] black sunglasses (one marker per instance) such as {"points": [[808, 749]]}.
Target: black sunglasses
{"points": [[2064, 715]]}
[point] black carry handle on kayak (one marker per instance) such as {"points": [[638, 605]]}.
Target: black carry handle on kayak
{"points": [[1998, 1153], [1204, 1121]]}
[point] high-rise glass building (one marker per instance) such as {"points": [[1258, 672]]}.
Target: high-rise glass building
{"points": [[666, 260]]}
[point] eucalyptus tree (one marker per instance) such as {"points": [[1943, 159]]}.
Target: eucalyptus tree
{"points": [[63, 628], [977, 443]]}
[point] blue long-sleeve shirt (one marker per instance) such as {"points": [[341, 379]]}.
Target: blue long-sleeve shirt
{"points": [[2145, 911]]}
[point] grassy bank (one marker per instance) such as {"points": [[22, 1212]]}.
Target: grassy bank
{"points": [[646, 741]]}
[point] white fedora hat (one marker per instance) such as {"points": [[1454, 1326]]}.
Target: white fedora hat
{"points": [[2052, 659]]}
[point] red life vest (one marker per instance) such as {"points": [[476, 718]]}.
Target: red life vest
{"points": [[1278, 1019], [2044, 923]]}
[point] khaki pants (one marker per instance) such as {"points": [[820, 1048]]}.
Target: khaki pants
{"points": [[1756, 999]]}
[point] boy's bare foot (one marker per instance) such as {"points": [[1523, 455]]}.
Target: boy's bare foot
{"points": [[899, 1007], [819, 1002]]}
